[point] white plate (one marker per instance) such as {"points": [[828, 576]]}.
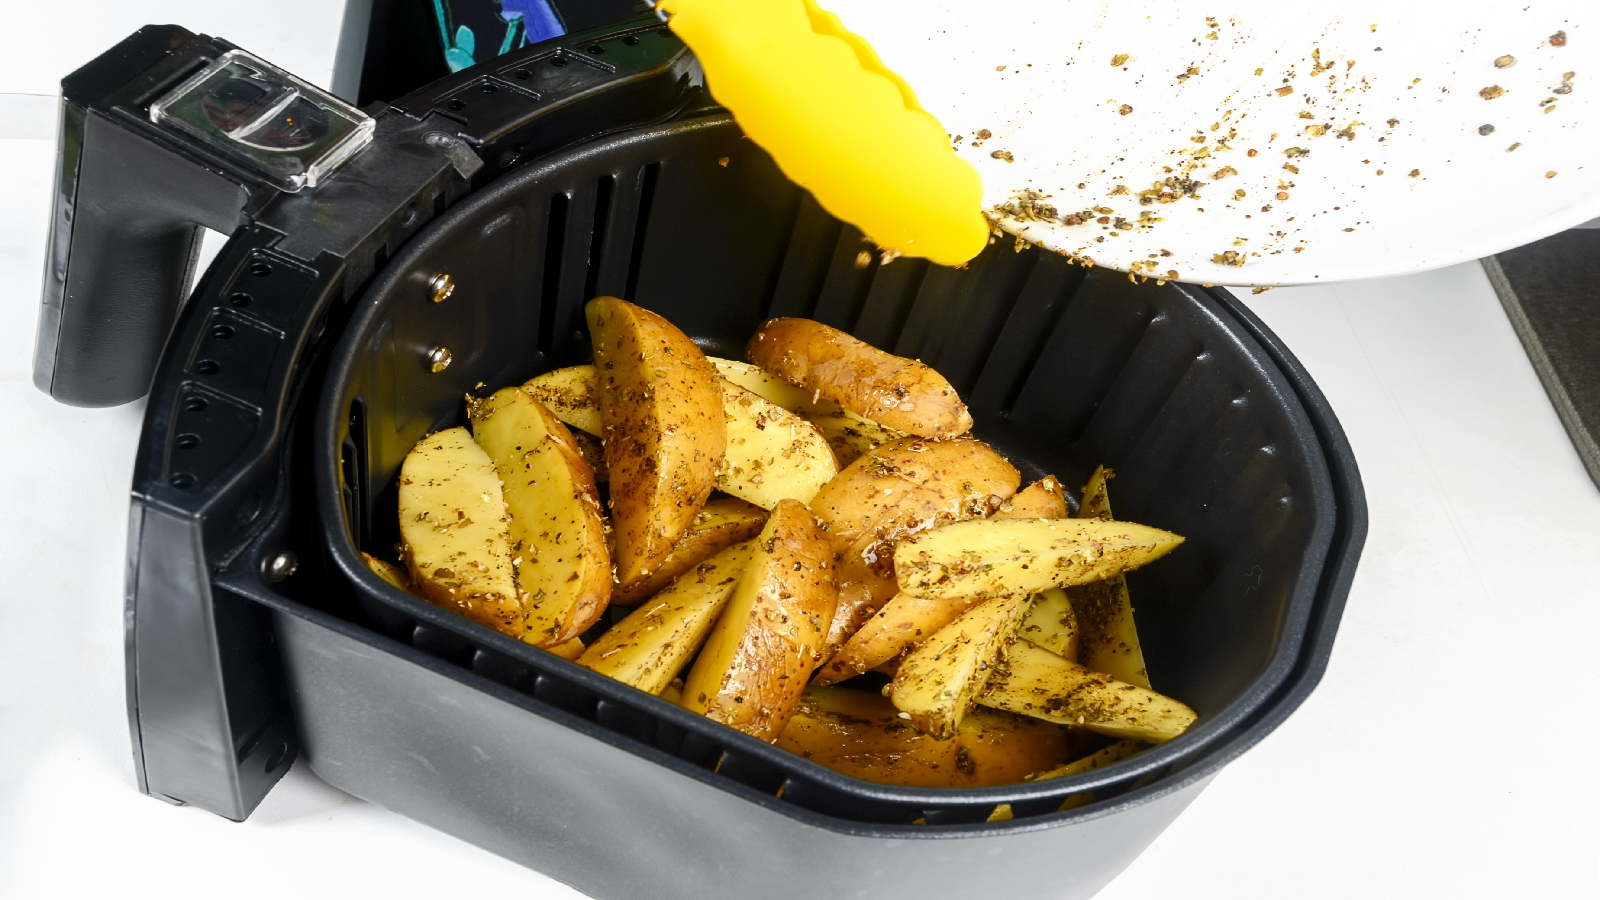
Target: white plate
{"points": [[1037, 75]]}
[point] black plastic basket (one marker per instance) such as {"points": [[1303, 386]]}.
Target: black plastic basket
{"points": [[289, 394]]}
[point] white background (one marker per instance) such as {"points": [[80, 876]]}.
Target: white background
{"points": [[1447, 753]]}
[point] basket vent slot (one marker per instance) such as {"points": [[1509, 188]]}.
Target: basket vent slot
{"points": [[550, 293], [597, 235], [648, 177]]}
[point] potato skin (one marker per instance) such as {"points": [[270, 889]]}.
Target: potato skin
{"points": [[890, 390], [755, 663], [661, 410]]}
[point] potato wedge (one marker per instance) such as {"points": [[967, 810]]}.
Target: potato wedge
{"points": [[903, 623], [1032, 681], [1109, 640], [661, 409], [773, 454], [861, 735], [1105, 756], [989, 558], [1051, 623], [390, 572], [568, 650], [1118, 751], [651, 646], [938, 683], [453, 530], [720, 523], [848, 434], [1044, 499], [558, 531], [571, 394], [911, 485], [891, 390], [769, 637]]}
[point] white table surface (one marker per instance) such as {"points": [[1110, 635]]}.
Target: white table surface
{"points": [[1447, 752]]}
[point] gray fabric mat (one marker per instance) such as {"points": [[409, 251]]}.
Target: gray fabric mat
{"points": [[1551, 292]]}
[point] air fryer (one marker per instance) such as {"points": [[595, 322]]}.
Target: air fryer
{"points": [[384, 263]]}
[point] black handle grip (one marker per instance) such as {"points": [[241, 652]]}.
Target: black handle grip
{"points": [[125, 225]]}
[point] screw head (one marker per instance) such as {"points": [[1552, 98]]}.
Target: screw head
{"points": [[282, 566], [440, 287], [439, 359]]}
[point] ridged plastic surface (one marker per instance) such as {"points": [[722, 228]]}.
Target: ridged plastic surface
{"points": [[1064, 368]]}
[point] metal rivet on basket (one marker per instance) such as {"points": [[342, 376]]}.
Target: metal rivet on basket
{"points": [[439, 359], [441, 286], [282, 566]]}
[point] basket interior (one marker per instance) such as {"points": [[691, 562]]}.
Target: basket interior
{"points": [[1064, 367]]}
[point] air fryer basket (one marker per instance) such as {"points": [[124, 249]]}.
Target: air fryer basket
{"points": [[1064, 367]]}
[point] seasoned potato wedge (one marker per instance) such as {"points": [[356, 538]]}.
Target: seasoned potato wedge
{"points": [[913, 484], [1051, 623], [454, 533], [558, 531], [769, 637], [989, 558], [661, 409], [848, 434], [1109, 641], [1032, 681], [1105, 756], [1119, 751], [388, 571], [892, 390], [903, 623], [773, 454], [938, 683], [861, 735], [1044, 499], [649, 647], [570, 393], [720, 523], [569, 650]]}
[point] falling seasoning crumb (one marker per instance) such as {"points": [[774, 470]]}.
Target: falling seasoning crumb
{"points": [[1296, 152], [1552, 172], [1250, 153], [1491, 92], [1124, 110], [1292, 168], [1559, 39], [1282, 195], [1002, 154], [1239, 194], [723, 162], [1380, 171], [1514, 146], [1224, 172], [863, 259], [1349, 229], [1416, 173], [1229, 258], [1505, 62], [1486, 129], [1562, 89], [999, 68], [1119, 59], [983, 134], [1393, 122], [1284, 91], [1549, 109]]}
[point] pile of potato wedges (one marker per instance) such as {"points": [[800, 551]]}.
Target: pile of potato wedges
{"points": [[815, 549]]}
